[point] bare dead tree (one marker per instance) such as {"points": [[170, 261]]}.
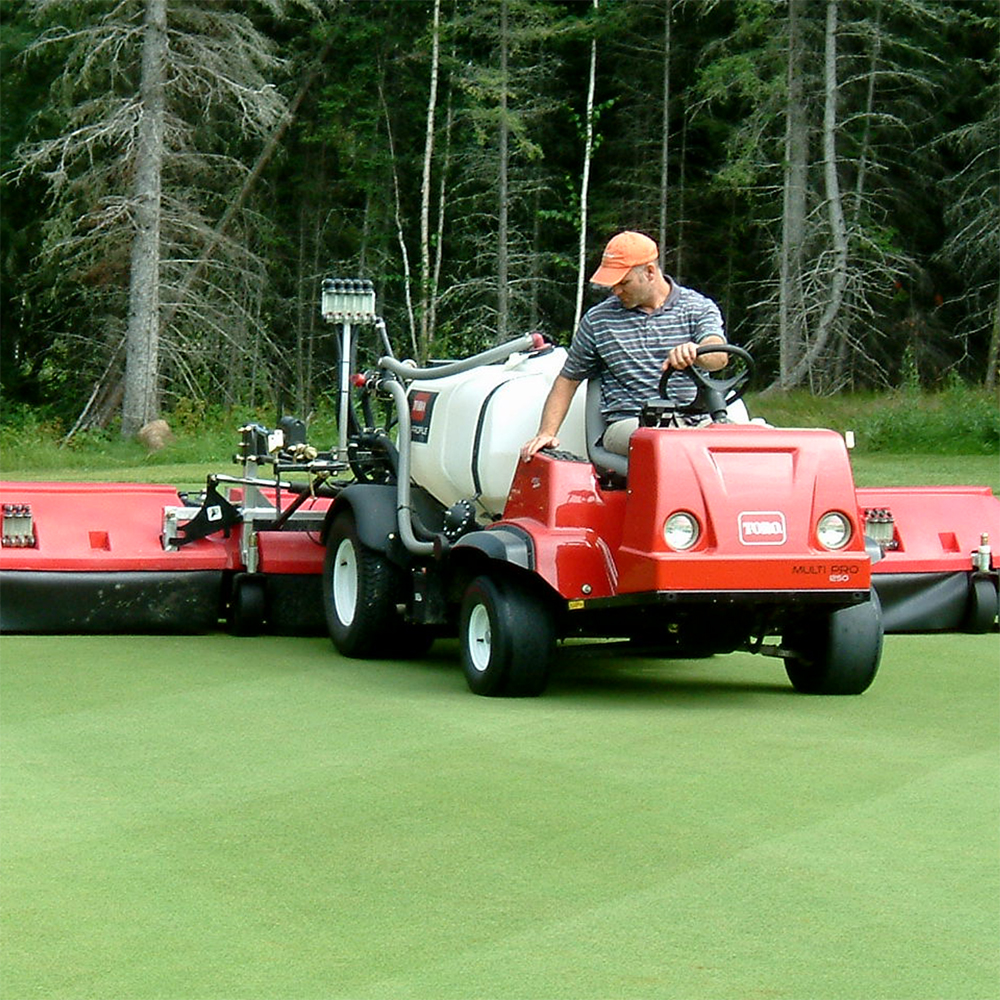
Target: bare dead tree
{"points": [[142, 338], [195, 64], [795, 202], [972, 214]]}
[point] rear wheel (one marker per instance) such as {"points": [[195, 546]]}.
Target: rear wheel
{"points": [[837, 653], [507, 637], [360, 588], [248, 605], [981, 611]]}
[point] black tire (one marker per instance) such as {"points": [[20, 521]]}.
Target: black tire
{"points": [[507, 638], [981, 611], [837, 653], [360, 590], [248, 605]]}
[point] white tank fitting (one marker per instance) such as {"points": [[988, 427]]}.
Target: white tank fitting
{"points": [[982, 557]]}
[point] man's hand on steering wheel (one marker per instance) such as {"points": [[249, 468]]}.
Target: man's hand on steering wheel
{"points": [[684, 355], [714, 394]]}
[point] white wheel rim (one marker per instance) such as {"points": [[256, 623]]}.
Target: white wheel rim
{"points": [[478, 638], [345, 582]]}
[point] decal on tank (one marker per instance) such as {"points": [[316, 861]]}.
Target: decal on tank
{"points": [[421, 407]]}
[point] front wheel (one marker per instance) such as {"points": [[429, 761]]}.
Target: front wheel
{"points": [[837, 653], [507, 637]]}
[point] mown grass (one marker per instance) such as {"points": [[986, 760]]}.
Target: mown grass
{"points": [[210, 816]]}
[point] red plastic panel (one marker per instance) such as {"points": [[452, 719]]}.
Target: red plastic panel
{"points": [[936, 528], [290, 552], [757, 493], [102, 527]]}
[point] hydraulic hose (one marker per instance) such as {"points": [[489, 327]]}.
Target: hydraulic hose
{"points": [[404, 509], [380, 326], [529, 342], [404, 512]]}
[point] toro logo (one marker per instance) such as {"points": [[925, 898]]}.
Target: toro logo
{"points": [[421, 407], [762, 527]]}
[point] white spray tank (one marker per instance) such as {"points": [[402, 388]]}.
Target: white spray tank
{"points": [[467, 429]]}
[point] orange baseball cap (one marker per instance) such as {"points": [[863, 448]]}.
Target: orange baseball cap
{"points": [[623, 252]]}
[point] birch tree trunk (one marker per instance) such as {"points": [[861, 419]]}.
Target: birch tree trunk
{"points": [[503, 261], [681, 210], [425, 191], [141, 402], [398, 215], [444, 171], [581, 273], [665, 135]]}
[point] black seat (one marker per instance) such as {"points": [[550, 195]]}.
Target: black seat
{"points": [[611, 467]]}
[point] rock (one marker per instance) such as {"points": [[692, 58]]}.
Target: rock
{"points": [[155, 434]]}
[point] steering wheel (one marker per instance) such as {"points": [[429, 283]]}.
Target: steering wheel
{"points": [[714, 394]]}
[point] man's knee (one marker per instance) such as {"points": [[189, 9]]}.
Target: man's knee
{"points": [[617, 435]]}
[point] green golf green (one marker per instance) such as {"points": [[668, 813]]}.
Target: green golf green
{"points": [[210, 817]]}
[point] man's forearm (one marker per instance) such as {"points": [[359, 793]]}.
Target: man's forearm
{"points": [[712, 362], [557, 405]]}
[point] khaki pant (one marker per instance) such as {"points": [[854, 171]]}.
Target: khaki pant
{"points": [[617, 435]]}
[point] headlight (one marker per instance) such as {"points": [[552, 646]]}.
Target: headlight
{"points": [[681, 531], [833, 530]]}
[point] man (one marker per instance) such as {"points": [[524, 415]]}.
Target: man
{"points": [[647, 324]]}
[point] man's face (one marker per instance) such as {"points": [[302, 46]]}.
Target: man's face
{"points": [[635, 288]]}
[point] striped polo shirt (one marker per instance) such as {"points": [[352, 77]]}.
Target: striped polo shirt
{"points": [[625, 348]]}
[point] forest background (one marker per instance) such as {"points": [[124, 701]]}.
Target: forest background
{"points": [[178, 176]]}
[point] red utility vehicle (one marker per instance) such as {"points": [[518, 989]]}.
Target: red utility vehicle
{"points": [[422, 522], [703, 540]]}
